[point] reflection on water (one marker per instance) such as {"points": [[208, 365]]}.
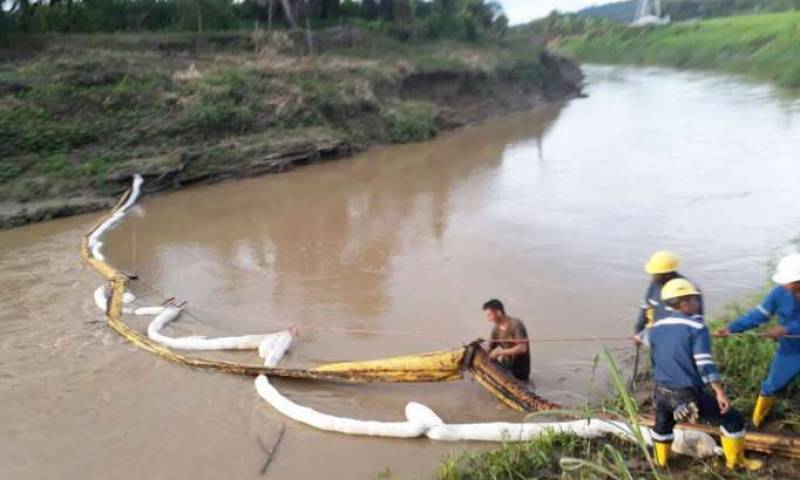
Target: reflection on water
{"points": [[552, 211]]}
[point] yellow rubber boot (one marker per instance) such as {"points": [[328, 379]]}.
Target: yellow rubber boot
{"points": [[762, 408], [734, 455], [661, 453]]}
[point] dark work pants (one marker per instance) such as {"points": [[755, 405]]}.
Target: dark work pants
{"points": [[667, 399]]}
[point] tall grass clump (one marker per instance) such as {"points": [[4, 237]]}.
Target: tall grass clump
{"points": [[409, 122], [517, 460], [225, 100], [610, 462]]}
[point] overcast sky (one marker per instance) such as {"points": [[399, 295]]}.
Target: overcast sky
{"points": [[521, 11]]}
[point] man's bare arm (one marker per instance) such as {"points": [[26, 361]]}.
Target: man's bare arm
{"points": [[519, 349]]}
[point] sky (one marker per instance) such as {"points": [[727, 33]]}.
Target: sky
{"points": [[521, 11]]}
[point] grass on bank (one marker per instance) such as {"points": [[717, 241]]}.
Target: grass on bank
{"points": [[77, 109], [762, 46], [540, 458]]}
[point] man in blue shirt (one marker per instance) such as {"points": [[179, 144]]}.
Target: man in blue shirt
{"points": [[783, 301], [683, 369]]}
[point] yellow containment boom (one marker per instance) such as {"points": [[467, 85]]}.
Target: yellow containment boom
{"points": [[431, 367], [426, 367]]}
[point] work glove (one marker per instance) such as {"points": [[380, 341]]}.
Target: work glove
{"points": [[686, 412]]}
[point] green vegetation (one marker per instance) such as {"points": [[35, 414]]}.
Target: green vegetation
{"points": [[410, 122], [78, 113], [541, 458], [761, 46]]}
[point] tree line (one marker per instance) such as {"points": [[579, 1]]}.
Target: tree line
{"points": [[466, 19]]}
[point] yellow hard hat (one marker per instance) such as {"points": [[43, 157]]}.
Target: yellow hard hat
{"points": [[678, 287], [662, 261]]}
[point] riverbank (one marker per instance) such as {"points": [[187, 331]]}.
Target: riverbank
{"points": [[79, 114], [763, 47]]}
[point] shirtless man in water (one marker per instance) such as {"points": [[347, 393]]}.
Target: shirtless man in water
{"points": [[513, 355]]}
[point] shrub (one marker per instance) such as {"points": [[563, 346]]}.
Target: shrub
{"points": [[410, 122], [528, 74], [225, 101], [222, 116], [536, 459], [10, 170]]}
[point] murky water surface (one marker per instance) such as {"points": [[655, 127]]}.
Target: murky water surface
{"points": [[551, 211]]}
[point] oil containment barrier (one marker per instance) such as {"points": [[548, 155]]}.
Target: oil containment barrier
{"points": [[116, 301], [113, 298]]}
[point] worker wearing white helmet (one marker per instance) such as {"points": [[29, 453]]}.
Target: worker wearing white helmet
{"points": [[784, 302], [662, 266]]}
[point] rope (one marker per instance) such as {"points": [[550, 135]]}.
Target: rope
{"points": [[164, 299], [133, 243], [396, 333], [755, 335], [463, 340]]}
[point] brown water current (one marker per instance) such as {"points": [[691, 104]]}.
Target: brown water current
{"points": [[552, 211]]}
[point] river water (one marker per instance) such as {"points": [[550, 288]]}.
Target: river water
{"points": [[552, 211]]}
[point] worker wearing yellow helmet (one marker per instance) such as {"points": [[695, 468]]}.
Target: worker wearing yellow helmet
{"points": [[662, 266], [687, 381]]}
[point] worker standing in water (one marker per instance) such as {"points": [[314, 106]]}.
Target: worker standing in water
{"points": [[508, 345], [783, 301], [663, 267], [683, 372]]}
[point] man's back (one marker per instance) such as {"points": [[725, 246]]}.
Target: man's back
{"points": [[680, 347]]}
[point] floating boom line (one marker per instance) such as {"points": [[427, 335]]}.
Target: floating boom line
{"points": [[437, 366]]}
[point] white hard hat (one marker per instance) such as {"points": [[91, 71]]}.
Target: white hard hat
{"points": [[788, 270]]}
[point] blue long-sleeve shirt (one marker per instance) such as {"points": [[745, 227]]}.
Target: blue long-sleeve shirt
{"points": [[680, 347], [652, 303], [786, 306]]}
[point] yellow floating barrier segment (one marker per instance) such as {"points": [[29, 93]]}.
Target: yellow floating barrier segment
{"points": [[426, 367]]}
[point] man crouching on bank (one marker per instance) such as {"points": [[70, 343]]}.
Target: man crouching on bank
{"points": [[509, 345], [683, 366]]}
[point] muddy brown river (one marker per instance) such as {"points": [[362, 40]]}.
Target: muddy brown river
{"points": [[552, 211]]}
